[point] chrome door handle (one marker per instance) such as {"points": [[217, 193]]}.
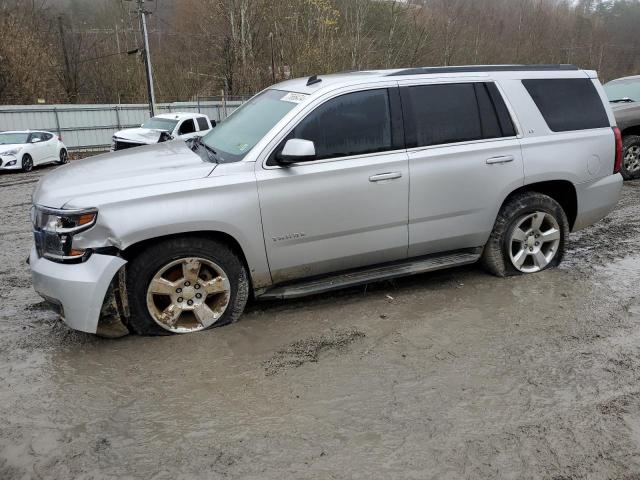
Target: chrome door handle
{"points": [[503, 159], [385, 176]]}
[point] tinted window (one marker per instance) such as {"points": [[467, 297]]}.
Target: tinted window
{"points": [[352, 124], [187, 127], [46, 136], [203, 124], [441, 114], [568, 103], [504, 117], [454, 112]]}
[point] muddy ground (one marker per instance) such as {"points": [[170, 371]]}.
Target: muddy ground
{"points": [[450, 375]]}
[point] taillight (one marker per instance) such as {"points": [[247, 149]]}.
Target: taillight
{"points": [[60, 137], [618, 163]]}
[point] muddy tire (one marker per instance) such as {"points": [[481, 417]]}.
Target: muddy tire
{"points": [[529, 236], [27, 163], [630, 168], [201, 283]]}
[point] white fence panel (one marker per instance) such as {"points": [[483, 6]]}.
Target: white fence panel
{"points": [[90, 127]]}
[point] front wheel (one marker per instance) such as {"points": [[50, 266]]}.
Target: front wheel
{"points": [[529, 236], [27, 163], [184, 285]]}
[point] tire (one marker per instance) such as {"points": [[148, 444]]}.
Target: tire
{"points": [[27, 163], [64, 157], [148, 311], [630, 157], [515, 222]]}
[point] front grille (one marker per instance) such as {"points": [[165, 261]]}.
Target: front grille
{"points": [[118, 145]]}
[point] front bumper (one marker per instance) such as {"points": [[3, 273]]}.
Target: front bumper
{"points": [[79, 289], [4, 159]]}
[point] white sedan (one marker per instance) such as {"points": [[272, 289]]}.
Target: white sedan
{"points": [[26, 149]]}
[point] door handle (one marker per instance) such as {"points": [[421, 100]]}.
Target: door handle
{"points": [[503, 159], [385, 176]]}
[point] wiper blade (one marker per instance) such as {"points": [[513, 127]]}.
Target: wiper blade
{"points": [[622, 100], [211, 153]]}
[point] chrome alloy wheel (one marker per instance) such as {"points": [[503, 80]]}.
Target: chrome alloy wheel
{"points": [[534, 242], [188, 295], [632, 159]]}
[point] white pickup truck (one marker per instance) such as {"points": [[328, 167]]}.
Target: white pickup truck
{"points": [[162, 128]]}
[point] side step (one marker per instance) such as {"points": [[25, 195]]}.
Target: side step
{"points": [[372, 274]]}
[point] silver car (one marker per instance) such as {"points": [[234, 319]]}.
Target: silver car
{"points": [[327, 182]]}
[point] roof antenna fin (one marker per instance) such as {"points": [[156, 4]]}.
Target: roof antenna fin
{"points": [[313, 79]]}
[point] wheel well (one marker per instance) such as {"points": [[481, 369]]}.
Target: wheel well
{"points": [[562, 191], [634, 130], [135, 249]]}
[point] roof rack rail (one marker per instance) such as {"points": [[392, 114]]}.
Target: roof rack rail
{"points": [[481, 68]]}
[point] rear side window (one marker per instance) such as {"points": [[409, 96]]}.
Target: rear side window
{"points": [[352, 124], [568, 103], [46, 136], [454, 112], [187, 127], [203, 124]]}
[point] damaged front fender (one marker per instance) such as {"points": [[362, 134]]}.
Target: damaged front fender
{"points": [[114, 314]]}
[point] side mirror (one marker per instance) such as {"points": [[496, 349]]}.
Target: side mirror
{"points": [[213, 124], [296, 150]]}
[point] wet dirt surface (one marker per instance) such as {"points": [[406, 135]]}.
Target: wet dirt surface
{"points": [[449, 375]]}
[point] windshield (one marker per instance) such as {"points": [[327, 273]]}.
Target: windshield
{"points": [[623, 90], [9, 138], [236, 135], [156, 123]]}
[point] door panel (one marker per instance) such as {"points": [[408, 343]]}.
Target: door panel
{"points": [[334, 215], [456, 192], [464, 159], [38, 150], [51, 146]]}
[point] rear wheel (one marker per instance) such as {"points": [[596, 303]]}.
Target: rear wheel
{"points": [[27, 163], [64, 157], [185, 285], [630, 169], [529, 236]]}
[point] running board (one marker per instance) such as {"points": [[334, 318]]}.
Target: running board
{"points": [[372, 274]]}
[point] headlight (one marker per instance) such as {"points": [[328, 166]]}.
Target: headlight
{"points": [[54, 229], [14, 151]]}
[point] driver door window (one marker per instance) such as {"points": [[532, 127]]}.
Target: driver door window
{"points": [[352, 124], [187, 127]]}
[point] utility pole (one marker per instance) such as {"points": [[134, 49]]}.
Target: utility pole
{"points": [[67, 65], [142, 13], [273, 61]]}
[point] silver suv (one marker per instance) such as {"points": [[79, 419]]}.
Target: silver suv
{"points": [[327, 182]]}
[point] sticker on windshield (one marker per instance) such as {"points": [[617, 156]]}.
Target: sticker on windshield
{"points": [[294, 97]]}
